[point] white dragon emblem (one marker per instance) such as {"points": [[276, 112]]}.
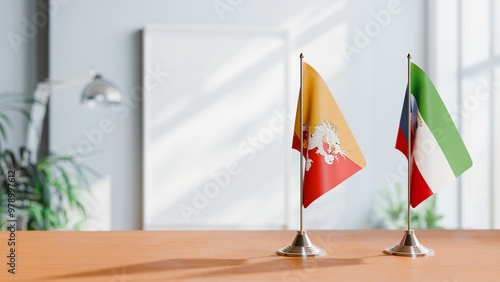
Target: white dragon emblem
{"points": [[327, 133]]}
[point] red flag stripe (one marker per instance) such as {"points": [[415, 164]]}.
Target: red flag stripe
{"points": [[401, 143], [322, 177], [422, 190]]}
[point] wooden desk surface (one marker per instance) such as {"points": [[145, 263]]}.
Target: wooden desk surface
{"points": [[462, 255]]}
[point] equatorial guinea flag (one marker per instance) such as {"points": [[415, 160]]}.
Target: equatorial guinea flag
{"points": [[330, 150], [439, 154]]}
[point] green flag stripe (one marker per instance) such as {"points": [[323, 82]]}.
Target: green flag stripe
{"points": [[439, 121]]}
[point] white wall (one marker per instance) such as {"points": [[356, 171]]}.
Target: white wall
{"points": [[17, 57], [369, 87]]}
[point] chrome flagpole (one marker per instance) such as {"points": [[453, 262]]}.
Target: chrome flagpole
{"points": [[301, 169], [409, 246], [409, 151], [301, 245]]}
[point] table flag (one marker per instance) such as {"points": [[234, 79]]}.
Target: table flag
{"points": [[438, 152], [331, 153]]}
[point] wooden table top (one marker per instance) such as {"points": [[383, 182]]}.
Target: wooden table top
{"points": [[353, 255]]}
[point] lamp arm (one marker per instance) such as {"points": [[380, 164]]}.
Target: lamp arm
{"points": [[72, 81], [35, 126], [98, 87], [38, 110]]}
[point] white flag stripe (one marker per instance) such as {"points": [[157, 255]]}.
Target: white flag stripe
{"points": [[430, 159]]}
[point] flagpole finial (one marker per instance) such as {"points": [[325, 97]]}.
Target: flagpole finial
{"points": [[301, 56], [409, 56]]}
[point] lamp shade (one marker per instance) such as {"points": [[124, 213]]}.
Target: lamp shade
{"points": [[101, 90]]}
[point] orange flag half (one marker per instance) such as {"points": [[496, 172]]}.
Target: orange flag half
{"points": [[331, 153]]}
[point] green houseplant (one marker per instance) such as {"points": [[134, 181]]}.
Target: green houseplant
{"points": [[49, 193]]}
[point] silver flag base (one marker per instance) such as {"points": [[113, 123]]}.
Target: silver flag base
{"points": [[409, 247], [301, 247]]}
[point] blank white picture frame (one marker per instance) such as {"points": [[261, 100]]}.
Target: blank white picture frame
{"points": [[216, 128]]}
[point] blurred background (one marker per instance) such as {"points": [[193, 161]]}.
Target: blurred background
{"points": [[201, 138]]}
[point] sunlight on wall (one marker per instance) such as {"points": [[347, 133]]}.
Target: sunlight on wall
{"points": [[230, 66], [476, 44], [477, 136]]}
